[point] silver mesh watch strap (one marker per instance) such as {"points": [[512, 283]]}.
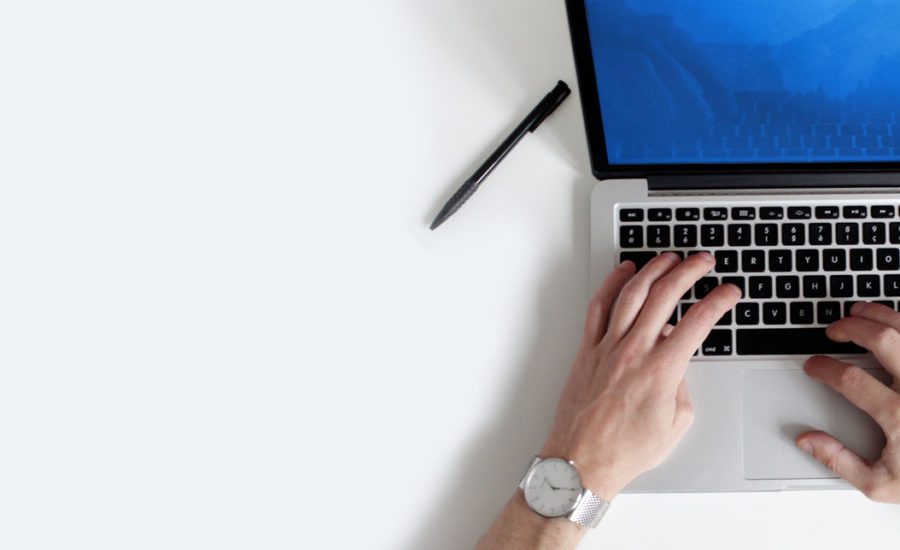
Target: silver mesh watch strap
{"points": [[589, 511]]}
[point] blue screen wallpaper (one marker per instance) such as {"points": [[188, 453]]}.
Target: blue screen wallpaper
{"points": [[748, 81]]}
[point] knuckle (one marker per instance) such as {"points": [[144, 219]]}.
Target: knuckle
{"points": [[631, 294], [851, 377], [704, 312], [885, 338], [665, 291]]}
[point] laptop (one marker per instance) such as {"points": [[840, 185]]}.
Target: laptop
{"points": [[767, 133]]}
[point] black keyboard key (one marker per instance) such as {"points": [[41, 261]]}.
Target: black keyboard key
{"points": [[861, 259], [834, 259], [726, 261], [743, 213], [793, 234], [774, 313], [631, 236], [712, 235], [802, 313], [740, 283], [841, 286], [747, 313], [827, 212], [781, 261], [685, 306], [790, 341], [820, 233], [739, 235], [704, 286], [725, 321], [673, 320], [799, 212], [631, 215], [847, 233], [767, 234], [640, 259], [855, 212], [883, 212], [685, 236], [760, 287], [807, 260], [868, 286], [814, 286], [874, 233], [886, 303], [753, 261], [659, 214], [828, 312], [717, 343], [895, 233], [687, 214], [787, 286], [771, 213], [659, 236], [848, 306], [892, 285], [715, 214], [887, 259]]}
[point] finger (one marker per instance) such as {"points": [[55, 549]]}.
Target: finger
{"points": [[839, 459], [695, 326], [882, 340], [601, 303], [634, 293], [878, 313], [665, 294], [667, 330], [859, 387]]}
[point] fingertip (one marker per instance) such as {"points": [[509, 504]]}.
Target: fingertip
{"points": [[627, 265], [804, 443], [737, 291], [835, 332]]}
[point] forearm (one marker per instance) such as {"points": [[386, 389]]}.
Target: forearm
{"points": [[518, 527]]}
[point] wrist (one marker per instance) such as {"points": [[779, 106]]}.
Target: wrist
{"points": [[528, 529], [602, 479]]}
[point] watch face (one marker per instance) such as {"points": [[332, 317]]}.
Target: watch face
{"points": [[553, 488]]}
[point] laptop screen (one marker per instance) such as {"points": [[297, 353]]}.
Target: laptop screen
{"points": [[747, 81]]}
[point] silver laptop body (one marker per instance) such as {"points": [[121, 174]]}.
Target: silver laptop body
{"points": [[723, 127]]}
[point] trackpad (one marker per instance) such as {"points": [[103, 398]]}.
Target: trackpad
{"points": [[779, 405]]}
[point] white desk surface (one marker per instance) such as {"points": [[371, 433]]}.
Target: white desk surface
{"points": [[224, 321]]}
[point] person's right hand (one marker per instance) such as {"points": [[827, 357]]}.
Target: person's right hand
{"points": [[876, 328]]}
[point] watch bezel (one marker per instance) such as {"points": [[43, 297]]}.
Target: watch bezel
{"points": [[530, 475]]}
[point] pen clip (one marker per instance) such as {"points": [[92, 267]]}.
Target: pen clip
{"points": [[550, 103]]}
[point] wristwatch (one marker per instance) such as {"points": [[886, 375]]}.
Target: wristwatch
{"points": [[553, 489]]}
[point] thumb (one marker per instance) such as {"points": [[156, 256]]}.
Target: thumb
{"points": [[839, 459]]}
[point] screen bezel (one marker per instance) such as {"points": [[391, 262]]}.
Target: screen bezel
{"points": [[593, 124]]}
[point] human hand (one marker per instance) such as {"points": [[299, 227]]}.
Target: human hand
{"points": [[626, 404], [874, 327]]}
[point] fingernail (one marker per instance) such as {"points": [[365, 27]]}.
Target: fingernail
{"points": [[625, 264], [857, 307], [672, 256], [805, 445]]}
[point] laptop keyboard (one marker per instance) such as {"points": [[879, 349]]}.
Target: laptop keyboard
{"points": [[801, 267]]}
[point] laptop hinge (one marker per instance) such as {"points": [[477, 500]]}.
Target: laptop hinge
{"points": [[699, 182]]}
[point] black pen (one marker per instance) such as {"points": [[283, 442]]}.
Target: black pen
{"points": [[534, 119]]}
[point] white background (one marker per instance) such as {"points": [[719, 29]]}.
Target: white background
{"points": [[223, 321]]}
